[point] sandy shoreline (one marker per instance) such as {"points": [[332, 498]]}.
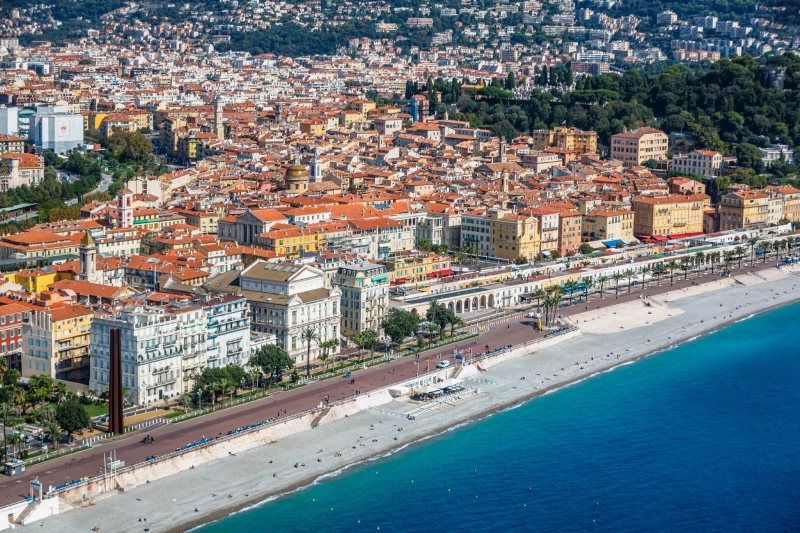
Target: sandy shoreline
{"points": [[169, 504]]}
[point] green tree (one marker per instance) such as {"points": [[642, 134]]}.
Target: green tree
{"points": [[400, 324], [272, 361], [585, 248], [749, 156], [72, 416]]}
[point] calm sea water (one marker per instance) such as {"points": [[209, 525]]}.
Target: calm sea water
{"points": [[704, 437]]}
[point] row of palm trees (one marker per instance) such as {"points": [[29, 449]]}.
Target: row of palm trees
{"points": [[34, 397]]}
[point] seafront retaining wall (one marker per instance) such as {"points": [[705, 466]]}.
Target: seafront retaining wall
{"points": [[135, 475], [146, 472]]}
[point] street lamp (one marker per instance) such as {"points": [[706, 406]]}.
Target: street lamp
{"points": [[241, 386], [199, 399]]}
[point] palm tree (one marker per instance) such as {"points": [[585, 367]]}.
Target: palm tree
{"points": [[790, 241], [672, 266], [13, 440], [686, 265], [570, 287], [308, 336], [644, 271], [540, 294], [630, 274], [729, 256], [602, 280], [47, 413], [60, 391], [617, 277], [359, 340], [765, 247], [454, 322], [5, 410], [699, 259], [3, 367], [371, 340], [55, 432], [185, 401], [432, 327], [739, 251], [659, 269], [752, 244]]}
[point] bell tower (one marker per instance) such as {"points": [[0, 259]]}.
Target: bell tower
{"points": [[88, 259], [219, 127], [125, 208]]}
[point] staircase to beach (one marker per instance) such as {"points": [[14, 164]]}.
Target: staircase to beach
{"points": [[28, 510], [319, 417]]}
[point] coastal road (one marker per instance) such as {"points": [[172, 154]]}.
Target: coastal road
{"points": [[171, 436]]}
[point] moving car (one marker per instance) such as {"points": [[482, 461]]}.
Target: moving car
{"points": [[533, 315], [443, 364], [148, 440]]}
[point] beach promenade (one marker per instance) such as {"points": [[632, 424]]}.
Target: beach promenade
{"points": [[683, 310]]}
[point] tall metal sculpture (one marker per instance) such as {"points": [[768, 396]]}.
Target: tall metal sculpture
{"points": [[116, 423]]}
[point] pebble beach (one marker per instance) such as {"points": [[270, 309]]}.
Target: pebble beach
{"points": [[609, 337]]}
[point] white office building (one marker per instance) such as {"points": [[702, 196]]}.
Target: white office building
{"points": [[58, 131], [9, 120]]}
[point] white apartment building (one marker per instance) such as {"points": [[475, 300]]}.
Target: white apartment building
{"points": [[775, 152], [365, 297], [151, 352], [706, 163], [192, 321], [284, 300], [228, 326]]}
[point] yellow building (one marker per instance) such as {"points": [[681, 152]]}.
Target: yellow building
{"points": [[669, 214], [314, 127], [290, 242], [348, 117], [57, 343], [36, 280], [92, 121], [791, 201], [363, 106], [604, 224], [635, 147], [743, 209], [567, 138], [514, 236], [408, 266]]}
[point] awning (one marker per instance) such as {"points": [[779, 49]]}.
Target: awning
{"points": [[614, 243], [401, 280], [380, 278], [650, 238], [676, 236], [438, 273]]}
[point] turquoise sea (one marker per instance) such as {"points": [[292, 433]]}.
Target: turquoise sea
{"points": [[703, 437]]}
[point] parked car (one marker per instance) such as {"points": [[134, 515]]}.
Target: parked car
{"points": [[533, 315], [443, 364]]}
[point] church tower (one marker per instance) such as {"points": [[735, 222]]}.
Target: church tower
{"points": [[219, 127], [125, 208], [88, 259], [316, 168], [504, 181]]}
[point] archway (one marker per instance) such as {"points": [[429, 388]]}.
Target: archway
{"points": [[450, 306], [483, 302], [466, 305], [491, 300], [458, 306], [474, 304]]}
